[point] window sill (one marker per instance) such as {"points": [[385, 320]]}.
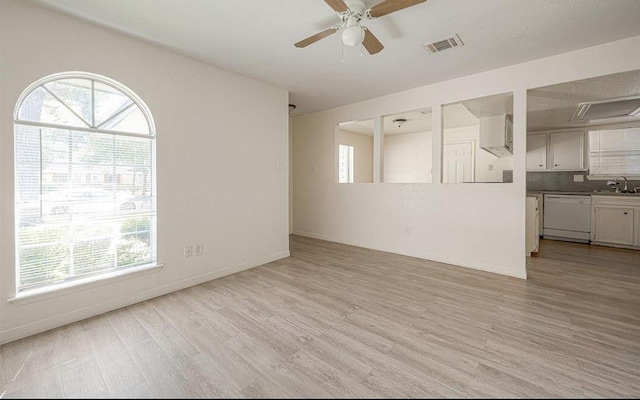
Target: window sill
{"points": [[62, 289]]}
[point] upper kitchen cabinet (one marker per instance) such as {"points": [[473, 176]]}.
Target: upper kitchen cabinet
{"points": [[556, 151], [567, 151], [537, 152]]}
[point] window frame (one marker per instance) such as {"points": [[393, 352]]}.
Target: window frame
{"points": [[111, 273], [94, 77]]}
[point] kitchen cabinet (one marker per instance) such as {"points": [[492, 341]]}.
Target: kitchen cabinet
{"points": [[496, 135], [557, 151], [532, 225], [567, 151], [614, 225], [537, 152], [616, 221]]}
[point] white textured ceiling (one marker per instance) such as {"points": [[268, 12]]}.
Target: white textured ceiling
{"points": [[552, 107], [255, 38]]}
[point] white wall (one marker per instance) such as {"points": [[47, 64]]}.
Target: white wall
{"points": [[219, 138], [478, 225], [407, 158], [483, 158], [362, 155]]}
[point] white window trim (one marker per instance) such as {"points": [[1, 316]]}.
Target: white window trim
{"points": [[74, 286]]}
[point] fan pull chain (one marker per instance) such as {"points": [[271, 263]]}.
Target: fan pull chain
{"points": [[360, 49], [342, 47]]}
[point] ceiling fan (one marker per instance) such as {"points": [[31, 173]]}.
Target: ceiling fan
{"points": [[351, 13]]}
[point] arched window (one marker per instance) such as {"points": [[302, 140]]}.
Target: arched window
{"points": [[85, 180]]}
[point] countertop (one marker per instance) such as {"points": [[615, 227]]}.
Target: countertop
{"points": [[535, 192]]}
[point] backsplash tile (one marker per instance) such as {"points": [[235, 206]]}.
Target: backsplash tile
{"points": [[563, 181], [507, 176]]}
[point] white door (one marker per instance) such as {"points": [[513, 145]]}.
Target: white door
{"points": [[614, 225], [567, 150], [458, 162], [537, 152]]}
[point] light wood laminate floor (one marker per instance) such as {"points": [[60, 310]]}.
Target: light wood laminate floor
{"points": [[341, 321]]}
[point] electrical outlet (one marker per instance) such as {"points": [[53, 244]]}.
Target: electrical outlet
{"points": [[407, 230], [197, 249], [188, 251], [578, 178], [490, 167]]}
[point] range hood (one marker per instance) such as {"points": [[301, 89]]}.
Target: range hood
{"points": [[496, 135]]}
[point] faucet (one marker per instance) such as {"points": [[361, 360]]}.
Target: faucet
{"points": [[616, 183]]}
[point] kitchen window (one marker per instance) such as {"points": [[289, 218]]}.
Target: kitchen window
{"points": [[614, 152], [73, 133]]}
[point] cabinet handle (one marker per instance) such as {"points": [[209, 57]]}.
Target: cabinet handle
{"points": [[540, 165], [626, 213], [555, 165]]}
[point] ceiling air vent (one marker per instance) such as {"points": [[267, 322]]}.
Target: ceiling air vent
{"points": [[611, 108], [444, 44]]}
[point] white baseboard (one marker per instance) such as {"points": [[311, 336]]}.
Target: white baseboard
{"points": [[315, 236], [33, 328], [459, 262]]}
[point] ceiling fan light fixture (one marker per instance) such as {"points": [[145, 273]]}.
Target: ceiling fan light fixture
{"points": [[353, 35], [398, 122], [351, 12]]}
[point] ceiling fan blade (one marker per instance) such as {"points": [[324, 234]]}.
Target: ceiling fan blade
{"points": [[316, 37], [371, 42], [337, 5], [389, 6]]}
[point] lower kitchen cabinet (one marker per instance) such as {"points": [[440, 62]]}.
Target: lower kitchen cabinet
{"points": [[533, 224], [615, 221], [614, 225]]}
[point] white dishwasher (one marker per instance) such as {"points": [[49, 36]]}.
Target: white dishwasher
{"points": [[567, 217]]}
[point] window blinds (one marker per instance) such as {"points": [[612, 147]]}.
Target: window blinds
{"points": [[614, 152], [85, 204]]}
